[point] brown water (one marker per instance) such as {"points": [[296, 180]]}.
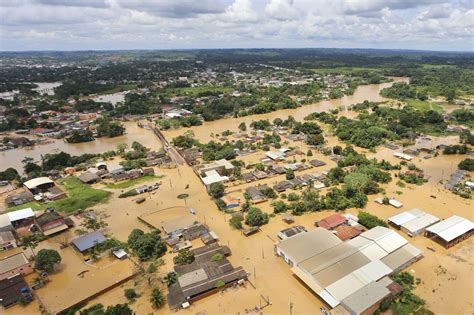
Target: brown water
{"points": [[362, 93], [12, 158]]}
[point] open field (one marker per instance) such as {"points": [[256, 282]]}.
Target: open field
{"points": [[132, 182], [79, 196]]}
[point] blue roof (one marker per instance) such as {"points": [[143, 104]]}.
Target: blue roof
{"points": [[88, 241]]}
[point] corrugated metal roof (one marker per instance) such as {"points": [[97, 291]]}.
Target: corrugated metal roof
{"points": [[376, 233], [12, 262], [401, 256], [305, 245], [391, 241], [401, 218], [373, 251], [364, 298], [420, 223], [341, 269], [88, 241], [35, 182], [20, 214], [345, 286], [179, 223], [373, 271], [192, 277], [5, 221], [451, 228]]}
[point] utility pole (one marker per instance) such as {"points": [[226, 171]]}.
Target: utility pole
{"points": [[291, 308]]}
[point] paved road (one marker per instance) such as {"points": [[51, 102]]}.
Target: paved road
{"points": [[175, 156]]}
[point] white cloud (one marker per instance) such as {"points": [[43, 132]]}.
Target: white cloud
{"points": [[116, 24], [282, 10]]}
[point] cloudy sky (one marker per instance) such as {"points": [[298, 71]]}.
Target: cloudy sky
{"points": [[168, 24]]}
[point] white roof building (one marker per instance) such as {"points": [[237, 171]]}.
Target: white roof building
{"points": [[275, 155], [413, 222], [451, 228], [21, 214], [213, 177], [35, 182]]}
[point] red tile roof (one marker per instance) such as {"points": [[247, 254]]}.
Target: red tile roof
{"points": [[346, 232], [332, 221]]}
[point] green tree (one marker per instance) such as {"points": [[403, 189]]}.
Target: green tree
{"points": [[467, 164], [47, 259], [146, 246], [236, 221], [30, 241], [290, 174], [184, 257], [279, 206], [157, 299], [171, 278], [242, 127], [255, 217], [216, 190], [130, 294]]}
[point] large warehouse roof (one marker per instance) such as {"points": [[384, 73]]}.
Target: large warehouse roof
{"points": [[405, 216], [35, 182], [335, 270], [305, 245], [413, 221], [451, 228]]}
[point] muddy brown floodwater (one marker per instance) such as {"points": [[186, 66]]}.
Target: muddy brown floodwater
{"points": [[362, 93], [12, 158]]}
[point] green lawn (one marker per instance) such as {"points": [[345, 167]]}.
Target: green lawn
{"points": [[424, 105], [80, 196], [133, 182]]}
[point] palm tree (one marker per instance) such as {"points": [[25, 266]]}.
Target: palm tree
{"points": [[157, 298]]}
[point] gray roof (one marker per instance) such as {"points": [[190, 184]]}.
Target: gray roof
{"points": [[364, 298], [88, 241]]}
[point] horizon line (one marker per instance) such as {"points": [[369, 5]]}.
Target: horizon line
{"points": [[234, 48]]}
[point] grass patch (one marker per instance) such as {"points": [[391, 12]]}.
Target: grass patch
{"points": [[424, 105], [80, 196], [33, 205], [133, 182]]}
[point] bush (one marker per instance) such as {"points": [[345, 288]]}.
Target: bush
{"points": [[370, 221], [130, 294]]}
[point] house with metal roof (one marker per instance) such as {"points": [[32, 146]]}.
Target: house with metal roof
{"points": [[12, 290], [451, 231], [87, 241], [14, 265], [7, 241]]}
